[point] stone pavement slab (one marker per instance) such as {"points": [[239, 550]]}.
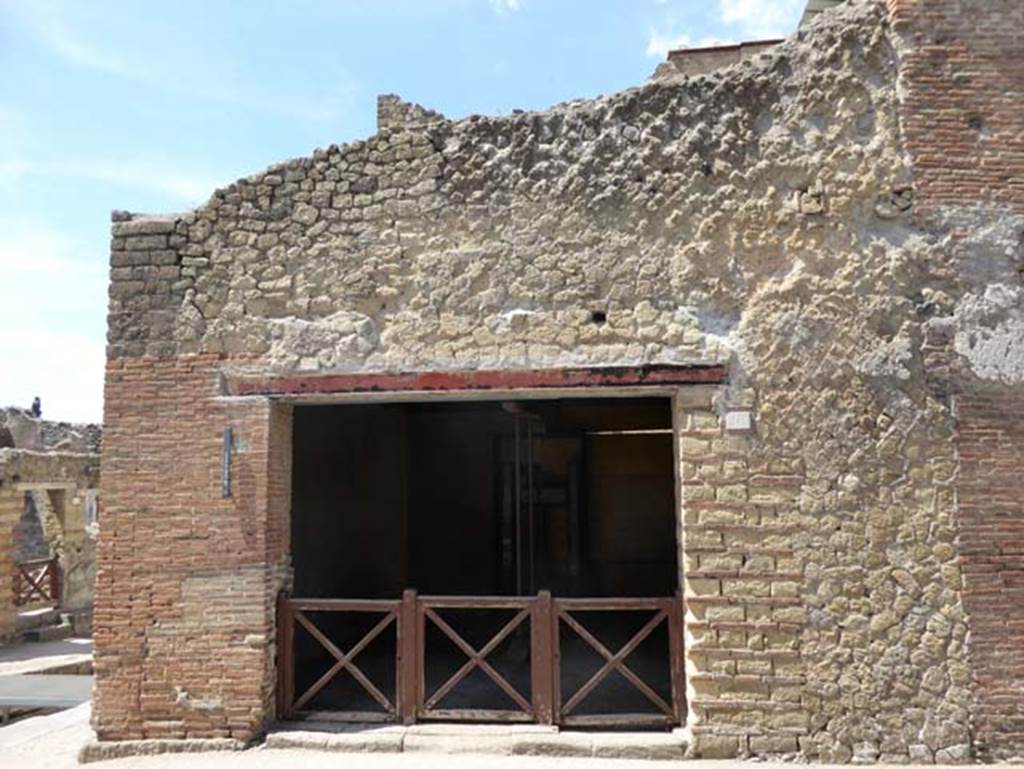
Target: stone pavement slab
{"points": [[29, 731], [44, 691], [53, 742], [506, 740], [35, 657]]}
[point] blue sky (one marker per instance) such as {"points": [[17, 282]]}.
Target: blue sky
{"points": [[151, 106]]}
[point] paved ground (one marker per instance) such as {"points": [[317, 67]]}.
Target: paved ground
{"points": [[45, 741], [52, 742], [42, 655], [44, 691]]}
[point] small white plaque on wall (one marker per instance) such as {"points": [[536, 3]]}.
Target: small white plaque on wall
{"points": [[738, 421]]}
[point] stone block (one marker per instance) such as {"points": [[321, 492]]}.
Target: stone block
{"points": [[714, 746], [773, 744]]}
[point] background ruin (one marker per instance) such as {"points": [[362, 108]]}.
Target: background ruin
{"points": [[49, 500]]}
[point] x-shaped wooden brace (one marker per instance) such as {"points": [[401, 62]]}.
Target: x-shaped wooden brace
{"points": [[35, 584], [344, 662], [615, 662], [477, 659]]}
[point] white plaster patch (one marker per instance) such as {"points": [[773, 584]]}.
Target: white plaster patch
{"points": [[888, 360], [990, 333], [322, 343], [182, 697]]}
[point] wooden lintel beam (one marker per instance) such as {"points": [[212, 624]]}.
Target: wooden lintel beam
{"points": [[455, 381]]}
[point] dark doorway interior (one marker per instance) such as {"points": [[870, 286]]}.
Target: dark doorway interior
{"points": [[424, 496], [575, 496]]}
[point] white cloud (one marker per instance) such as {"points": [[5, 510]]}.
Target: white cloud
{"points": [[48, 23], [175, 184], [49, 290], [660, 43], [39, 254], [506, 6], [11, 119], [65, 369], [45, 20], [189, 189], [762, 18]]}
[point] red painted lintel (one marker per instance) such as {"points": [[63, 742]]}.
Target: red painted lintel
{"points": [[433, 381]]}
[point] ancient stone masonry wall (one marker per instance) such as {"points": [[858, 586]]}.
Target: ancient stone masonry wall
{"points": [[742, 586], [11, 505], [70, 476], [962, 84], [761, 217], [30, 541], [701, 61], [58, 460], [20, 429], [394, 112]]}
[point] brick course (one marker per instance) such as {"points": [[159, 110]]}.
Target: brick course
{"points": [[990, 439], [962, 72], [187, 584]]}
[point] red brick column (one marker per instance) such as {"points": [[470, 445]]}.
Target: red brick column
{"points": [[962, 78], [990, 438], [187, 578]]}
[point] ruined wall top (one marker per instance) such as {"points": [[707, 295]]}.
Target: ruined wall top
{"points": [[815, 7], [19, 428], [49, 469], [705, 59], [701, 61], [394, 112], [499, 241]]}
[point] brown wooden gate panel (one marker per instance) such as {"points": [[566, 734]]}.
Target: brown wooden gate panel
{"points": [[410, 619], [663, 610], [428, 613], [36, 581], [293, 613]]}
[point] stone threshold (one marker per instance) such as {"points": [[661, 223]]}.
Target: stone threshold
{"points": [[106, 751], [489, 739]]}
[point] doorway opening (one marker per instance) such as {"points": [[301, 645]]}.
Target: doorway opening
{"points": [[481, 508]]}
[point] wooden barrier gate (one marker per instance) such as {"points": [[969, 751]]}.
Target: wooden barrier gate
{"points": [[410, 621], [36, 581]]}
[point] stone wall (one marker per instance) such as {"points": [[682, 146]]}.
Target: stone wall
{"points": [[20, 429], [57, 483], [742, 584], [962, 82], [814, 7], [702, 61], [764, 217], [394, 112], [11, 505]]}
